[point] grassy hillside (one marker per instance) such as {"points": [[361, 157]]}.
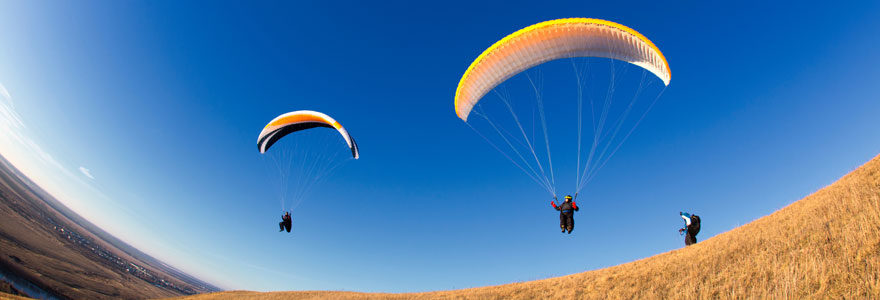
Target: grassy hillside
{"points": [[826, 245]]}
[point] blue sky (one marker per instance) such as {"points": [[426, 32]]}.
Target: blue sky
{"points": [[143, 118]]}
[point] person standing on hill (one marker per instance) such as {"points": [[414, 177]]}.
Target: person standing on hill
{"points": [[691, 228], [286, 222], [566, 213]]}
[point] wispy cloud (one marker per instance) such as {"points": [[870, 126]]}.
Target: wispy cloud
{"points": [[11, 119], [5, 93], [13, 129], [86, 172]]}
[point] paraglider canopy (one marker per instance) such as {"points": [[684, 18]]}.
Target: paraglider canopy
{"points": [[300, 120], [550, 40]]}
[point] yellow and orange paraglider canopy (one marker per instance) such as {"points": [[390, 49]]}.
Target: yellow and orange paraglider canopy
{"points": [[550, 40]]}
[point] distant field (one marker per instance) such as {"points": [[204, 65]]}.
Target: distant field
{"points": [[825, 246], [64, 258]]}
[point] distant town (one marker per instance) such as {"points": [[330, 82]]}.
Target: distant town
{"points": [[119, 263]]}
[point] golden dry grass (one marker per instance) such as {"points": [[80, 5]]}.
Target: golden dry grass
{"points": [[5, 296], [825, 246]]}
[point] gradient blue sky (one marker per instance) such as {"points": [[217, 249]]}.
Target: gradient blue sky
{"points": [[143, 118]]}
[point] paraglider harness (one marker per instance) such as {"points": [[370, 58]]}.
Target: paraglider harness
{"points": [[567, 211], [286, 221], [694, 228]]}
